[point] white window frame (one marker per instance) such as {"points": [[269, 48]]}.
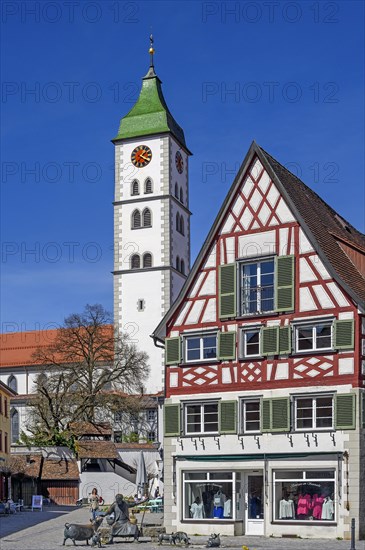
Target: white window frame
{"points": [[304, 479], [208, 478], [244, 331], [258, 262], [244, 402], [313, 325], [202, 405], [314, 412], [201, 337]]}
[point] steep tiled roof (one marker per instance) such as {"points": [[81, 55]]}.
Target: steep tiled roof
{"points": [[88, 448], [52, 468], [324, 224], [320, 222]]}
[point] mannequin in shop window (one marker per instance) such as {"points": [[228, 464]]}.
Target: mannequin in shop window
{"points": [[327, 509], [197, 509], [219, 500], [286, 507]]}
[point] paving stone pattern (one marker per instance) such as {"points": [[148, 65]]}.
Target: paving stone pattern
{"points": [[44, 531]]}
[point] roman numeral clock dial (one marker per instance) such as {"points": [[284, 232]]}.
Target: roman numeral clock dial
{"points": [[141, 156]]}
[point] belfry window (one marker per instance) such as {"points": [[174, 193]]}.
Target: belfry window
{"points": [[148, 186], [147, 260], [135, 187], [136, 219], [147, 218], [135, 261]]}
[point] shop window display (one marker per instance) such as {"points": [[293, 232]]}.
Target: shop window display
{"points": [[304, 495], [208, 495]]}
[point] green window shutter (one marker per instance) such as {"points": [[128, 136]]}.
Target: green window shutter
{"points": [[172, 351], [285, 339], [344, 334], [345, 411], [227, 345], [265, 415], [280, 414], [227, 417], [284, 291], [270, 340], [172, 420], [227, 291]]}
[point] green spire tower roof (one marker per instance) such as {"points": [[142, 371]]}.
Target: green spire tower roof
{"points": [[150, 114]]}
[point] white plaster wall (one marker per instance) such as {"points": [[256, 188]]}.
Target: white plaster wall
{"points": [[139, 325], [126, 172], [108, 484]]}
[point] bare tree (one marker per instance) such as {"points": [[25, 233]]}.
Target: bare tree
{"points": [[88, 371]]}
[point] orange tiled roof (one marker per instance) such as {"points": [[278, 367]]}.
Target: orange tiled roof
{"points": [[17, 348]]}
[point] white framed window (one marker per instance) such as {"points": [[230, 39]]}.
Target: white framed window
{"points": [[201, 418], [250, 342], [314, 412], [151, 415], [200, 347], [250, 415], [313, 336], [257, 280], [308, 495], [209, 495]]}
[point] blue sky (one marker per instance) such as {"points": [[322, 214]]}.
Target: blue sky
{"points": [[287, 74]]}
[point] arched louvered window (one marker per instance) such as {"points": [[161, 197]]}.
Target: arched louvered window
{"points": [[178, 222], [147, 218], [148, 188], [136, 219], [181, 195], [135, 261], [147, 260], [176, 190], [135, 187], [182, 225], [182, 267], [178, 263], [12, 383], [14, 424]]}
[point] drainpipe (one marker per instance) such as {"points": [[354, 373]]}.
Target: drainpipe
{"points": [[346, 457]]}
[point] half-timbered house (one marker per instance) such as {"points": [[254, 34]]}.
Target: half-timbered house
{"points": [[265, 367]]}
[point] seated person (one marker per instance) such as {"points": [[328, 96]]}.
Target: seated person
{"points": [[121, 526]]}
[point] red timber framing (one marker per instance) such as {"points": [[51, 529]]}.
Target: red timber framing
{"points": [[259, 208]]}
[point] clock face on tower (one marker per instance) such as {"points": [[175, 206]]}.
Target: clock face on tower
{"points": [[141, 156], [179, 162]]}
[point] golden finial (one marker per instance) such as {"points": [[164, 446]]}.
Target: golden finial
{"points": [[151, 50]]}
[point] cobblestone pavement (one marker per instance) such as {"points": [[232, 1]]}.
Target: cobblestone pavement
{"points": [[44, 531]]}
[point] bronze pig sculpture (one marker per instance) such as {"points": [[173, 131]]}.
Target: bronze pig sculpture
{"points": [[77, 531]]}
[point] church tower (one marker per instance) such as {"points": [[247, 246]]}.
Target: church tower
{"points": [[151, 220]]}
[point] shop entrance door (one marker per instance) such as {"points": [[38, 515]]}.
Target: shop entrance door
{"points": [[254, 504]]}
